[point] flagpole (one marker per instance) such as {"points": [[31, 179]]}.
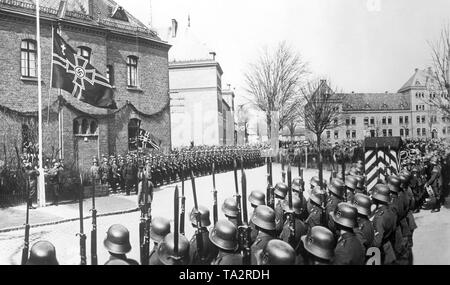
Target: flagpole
{"points": [[41, 179]]}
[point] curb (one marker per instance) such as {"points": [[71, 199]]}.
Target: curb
{"points": [[7, 230]]}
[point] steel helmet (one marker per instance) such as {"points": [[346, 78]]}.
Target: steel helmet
{"points": [[159, 228], [166, 250], [204, 217], [345, 215], [264, 217], [116, 262], [296, 205], [317, 196], [117, 240], [362, 204], [381, 193], [320, 242], [394, 184], [278, 252], [351, 182], [230, 208], [281, 190], [224, 235], [337, 187], [298, 184], [257, 198], [43, 253]]}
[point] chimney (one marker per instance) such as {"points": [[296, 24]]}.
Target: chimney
{"points": [[91, 7], [62, 9], [174, 28], [213, 53]]}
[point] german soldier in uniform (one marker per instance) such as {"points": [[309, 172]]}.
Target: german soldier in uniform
{"points": [[319, 246], [117, 242], [230, 210], [256, 198], [208, 250], [435, 182], [364, 229], [43, 253], [300, 227], [315, 209], [349, 250], [277, 252], [166, 255], [281, 190], [159, 228], [264, 221], [224, 237]]}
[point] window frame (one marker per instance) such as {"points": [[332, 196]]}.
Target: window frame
{"points": [[82, 49], [28, 51], [132, 66]]}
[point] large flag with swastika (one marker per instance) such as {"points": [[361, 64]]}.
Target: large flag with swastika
{"points": [[74, 74], [381, 159]]}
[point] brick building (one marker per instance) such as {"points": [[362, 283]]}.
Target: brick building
{"points": [[405, 114], [131, 55], [200, 113]]}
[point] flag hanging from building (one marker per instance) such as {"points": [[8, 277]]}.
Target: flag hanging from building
{"points": [[147, 140], [74, 74]]}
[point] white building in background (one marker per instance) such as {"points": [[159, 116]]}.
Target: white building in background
{"points": [[201, 112]]}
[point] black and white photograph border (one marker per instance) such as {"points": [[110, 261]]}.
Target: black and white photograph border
{"points": [[233, 133]]}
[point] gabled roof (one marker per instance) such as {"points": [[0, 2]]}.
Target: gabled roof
{"points": [[375, 101], [420, 79], [78, 11]]}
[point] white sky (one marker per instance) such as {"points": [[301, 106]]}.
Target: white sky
{"points": [[361, 45]]}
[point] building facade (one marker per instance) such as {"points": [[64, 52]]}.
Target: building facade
{"points": [[131, 55], [405, 114], [199, 113]]}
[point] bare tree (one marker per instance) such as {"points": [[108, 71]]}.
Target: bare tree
{"points": [[440, 50], [274, 82], [321, 113]]}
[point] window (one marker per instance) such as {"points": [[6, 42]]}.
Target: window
{"points": [[400, 119], [418, 119], [390, 132], [418, 132], [85, 53], [110, 74], [372, 133], [336, 135], [353, 121], [28, 58], [406, 120], [85, 126], [328, 134], [353, 134], [384, 133], [424, 132], [372, 121], [423, 119], [366, 121], [347, 121], [407, 132], [444, 131], [132, 71], [335, 122], [347, 134], [384, 121], [402, 132], [389, 120], [417, 107], [134, 127]]}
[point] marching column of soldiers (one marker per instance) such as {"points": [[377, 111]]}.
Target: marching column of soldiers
{"points": [[338, 222]]}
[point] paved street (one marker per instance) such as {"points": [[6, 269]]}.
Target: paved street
{"points": [[63, 236]]}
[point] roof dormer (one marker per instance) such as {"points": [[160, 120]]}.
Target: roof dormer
{"points": [[119, 13]]}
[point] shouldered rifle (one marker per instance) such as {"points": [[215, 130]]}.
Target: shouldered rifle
{"points": [[244, 229], [343, 178], [81, 234], [144, 224], [198, 232], [238, 196], [26, 242], [291, 213], [183, 202], [283, 168], [270, 188], [215, 208], [176, 217], [94, 226]]}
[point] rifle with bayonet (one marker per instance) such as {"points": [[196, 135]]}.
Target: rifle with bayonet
{"points": [[270, 190], [291, 213], [244, 229], [238, 196], [144, 225], [183, 202], [215, 208], [198, 232], [81, 234], [94, 226], [26, 243], [283, 168], [176, 210]]}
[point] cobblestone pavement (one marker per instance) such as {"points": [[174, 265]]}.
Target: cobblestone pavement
{"points": [[63, 236]]}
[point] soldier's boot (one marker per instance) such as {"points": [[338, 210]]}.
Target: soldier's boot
{"points": [[437, 207]]}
